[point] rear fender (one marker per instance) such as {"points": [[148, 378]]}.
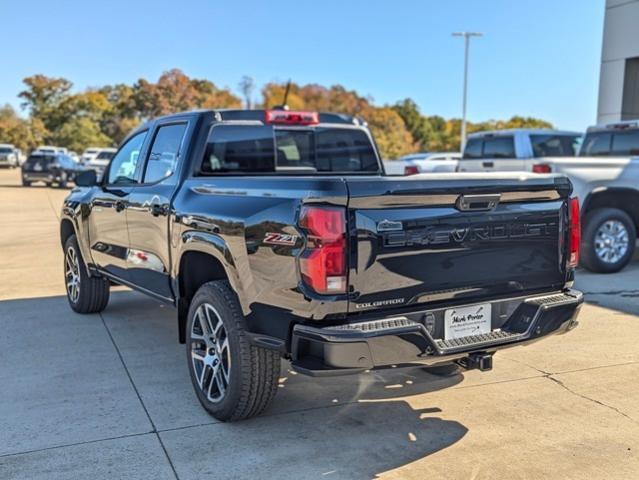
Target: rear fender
{"points": [[215, 246]]}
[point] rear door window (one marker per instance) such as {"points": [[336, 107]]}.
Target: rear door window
{"points": [[163, 155], [499, 147]]}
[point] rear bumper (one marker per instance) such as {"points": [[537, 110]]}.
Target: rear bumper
{"points": [[355, 347], [46, 176]]}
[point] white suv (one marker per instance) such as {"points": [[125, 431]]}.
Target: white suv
{"points": [[8, 155]]}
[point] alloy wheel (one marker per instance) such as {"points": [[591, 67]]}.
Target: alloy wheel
{"points": [[72, 274], [210, 353], [611, 241]]}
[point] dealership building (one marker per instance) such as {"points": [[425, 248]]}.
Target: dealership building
{"points": [[619, 77]]}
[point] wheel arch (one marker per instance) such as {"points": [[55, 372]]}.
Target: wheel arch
{"points": [[202, 262], [66, 230], [625, 199]]}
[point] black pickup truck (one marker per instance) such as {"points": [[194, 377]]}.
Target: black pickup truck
{"points": [[276, 234]]}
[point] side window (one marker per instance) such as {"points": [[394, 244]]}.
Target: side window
{"points": [[122, 168], [473, 148], [499, 147], [163, 155], [596, 144]]}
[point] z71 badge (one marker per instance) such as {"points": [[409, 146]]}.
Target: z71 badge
{"points": [[280, 239]]}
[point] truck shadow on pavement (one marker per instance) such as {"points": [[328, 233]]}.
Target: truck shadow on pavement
{"points": [[616, 291], [350, 426]]}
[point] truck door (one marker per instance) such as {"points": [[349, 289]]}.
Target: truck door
{"points": [[149, 214], [499, 154], [108, 233]]}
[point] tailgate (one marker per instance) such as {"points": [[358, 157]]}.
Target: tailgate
{"points": [[430, 238]]}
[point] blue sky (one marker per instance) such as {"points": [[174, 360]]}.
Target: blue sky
{"points": [[538, 58]]}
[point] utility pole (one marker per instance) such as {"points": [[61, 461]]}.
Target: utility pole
{"points": [[466, 36]]}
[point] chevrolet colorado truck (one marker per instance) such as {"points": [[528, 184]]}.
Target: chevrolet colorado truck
{"points": [[276, 234]]}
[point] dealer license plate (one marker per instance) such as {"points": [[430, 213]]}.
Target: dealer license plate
{"points": [[465, 321]]}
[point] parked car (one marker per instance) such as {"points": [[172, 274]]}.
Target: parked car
{"points": [[89, 154], [74, 156], [270, 249], [101, 160], [47, 149], [8, 156], [516, 149], [49, 168], [423, 162], [605, 176], [20, 156]]}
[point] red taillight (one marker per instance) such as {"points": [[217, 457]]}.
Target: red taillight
{"points": [[411, 170], [323, 261], [574, 233], [541, 168], [285, 117]]}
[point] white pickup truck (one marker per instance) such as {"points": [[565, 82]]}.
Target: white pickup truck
{"points": [[605, 177]]}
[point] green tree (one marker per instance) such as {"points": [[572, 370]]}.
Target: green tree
{"points": [[17, 131], [389, 130], [43, 97], [79, 133]]}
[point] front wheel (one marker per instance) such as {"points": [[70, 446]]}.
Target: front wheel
{"points": [[609, 238], [85, 294], [233, 379]]}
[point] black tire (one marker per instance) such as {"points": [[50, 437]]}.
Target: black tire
{"points": [[93, 292], [64, 178], [26, 183], [592, 222], [253, 376]]}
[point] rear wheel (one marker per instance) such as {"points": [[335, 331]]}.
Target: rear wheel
{"points": [[64, 178], [233, 379], [609, 238], [85, 294], [26, 183]]}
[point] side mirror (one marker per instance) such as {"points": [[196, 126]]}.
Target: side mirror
{"points": [[88, 178]]}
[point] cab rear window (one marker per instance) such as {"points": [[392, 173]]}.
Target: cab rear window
{"points": [[612, 143], [264, 149], [502, 146]]}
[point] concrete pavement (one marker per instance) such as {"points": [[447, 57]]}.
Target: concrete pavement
{"points": [[108, 395]]}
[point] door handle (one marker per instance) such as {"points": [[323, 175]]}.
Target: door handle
{"points": [[119, 206], [159, 209], [488, 164]]}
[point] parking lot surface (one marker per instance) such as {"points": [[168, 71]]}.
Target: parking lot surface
{"points": [[108, 395]]}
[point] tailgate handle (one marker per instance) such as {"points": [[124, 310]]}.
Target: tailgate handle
{"points": [[480, 202]]}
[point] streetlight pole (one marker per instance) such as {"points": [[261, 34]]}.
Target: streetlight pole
{"points": [[466, 36]]}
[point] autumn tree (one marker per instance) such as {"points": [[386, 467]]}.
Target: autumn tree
{"points": [[389, 130], [105, 115], [176, 92], [23, 133]]}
